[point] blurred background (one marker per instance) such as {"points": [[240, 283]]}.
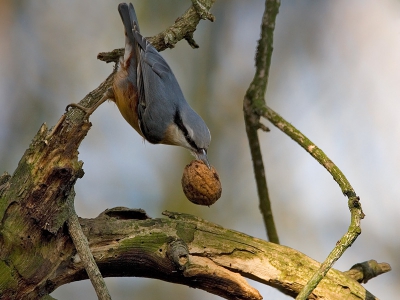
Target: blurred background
{"points": [[335, 75]]}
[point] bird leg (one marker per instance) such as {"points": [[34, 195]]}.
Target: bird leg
{"points": [[109, 94]]}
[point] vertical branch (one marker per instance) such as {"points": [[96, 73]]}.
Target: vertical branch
{"points": [[253, 101]]}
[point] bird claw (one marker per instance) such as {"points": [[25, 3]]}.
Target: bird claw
{"points": [[109, 94], [86, 110]]}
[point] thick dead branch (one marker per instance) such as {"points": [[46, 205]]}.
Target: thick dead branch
{"points": [[188, 250]]}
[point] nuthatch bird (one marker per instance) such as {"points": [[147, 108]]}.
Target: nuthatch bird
{"points": [[148, 95]]}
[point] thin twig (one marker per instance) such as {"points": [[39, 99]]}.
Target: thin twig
{"points": [[354, 204], [255, 97], [310, 147], [83, 250]]}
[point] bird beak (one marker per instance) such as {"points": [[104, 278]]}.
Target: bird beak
{"points": [[202, 155]]}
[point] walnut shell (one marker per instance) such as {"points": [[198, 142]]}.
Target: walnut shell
{"points": [[200, 184]]}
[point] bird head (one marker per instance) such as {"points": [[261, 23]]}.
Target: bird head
{"points": [[188, 130]]}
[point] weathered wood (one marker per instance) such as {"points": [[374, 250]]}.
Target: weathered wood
{"points": [[34, 206], [33, 211], [216, 261]]}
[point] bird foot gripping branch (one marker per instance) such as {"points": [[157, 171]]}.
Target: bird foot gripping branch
{"points": [[150, 99]]}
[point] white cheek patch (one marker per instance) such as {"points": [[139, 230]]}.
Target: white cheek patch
{"points": [[176, 137]]}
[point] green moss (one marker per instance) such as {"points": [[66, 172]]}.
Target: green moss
{"points": [[7, 279], [151, 242], [27, 266], [149, 223], [185, 232], [11, 194], [3, 206]]}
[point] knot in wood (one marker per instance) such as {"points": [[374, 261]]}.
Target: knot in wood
{"points": [[178, 252]]}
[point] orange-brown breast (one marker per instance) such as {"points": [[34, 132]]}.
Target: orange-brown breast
{"points": [[126, 98]]}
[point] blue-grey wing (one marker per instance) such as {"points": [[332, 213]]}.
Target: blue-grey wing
{"points": [[152, 57], [158, 91]]}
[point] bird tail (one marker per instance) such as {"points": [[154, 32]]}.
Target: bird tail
{"points": [[131, 25], [132, 16], [128, 16]]}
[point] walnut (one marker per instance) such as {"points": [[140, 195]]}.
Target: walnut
{"points": [[200, 184]]}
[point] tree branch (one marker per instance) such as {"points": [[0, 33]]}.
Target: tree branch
{"points": [[183, 28], [254, 108], [207, 256], [354, 204], [254, 98], [82, 247], [367, 270]]}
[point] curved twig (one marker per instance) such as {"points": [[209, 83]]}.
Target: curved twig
{"points": [[354, 204]]}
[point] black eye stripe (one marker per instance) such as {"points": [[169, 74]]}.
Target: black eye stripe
{"points": [[178, 121]]}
